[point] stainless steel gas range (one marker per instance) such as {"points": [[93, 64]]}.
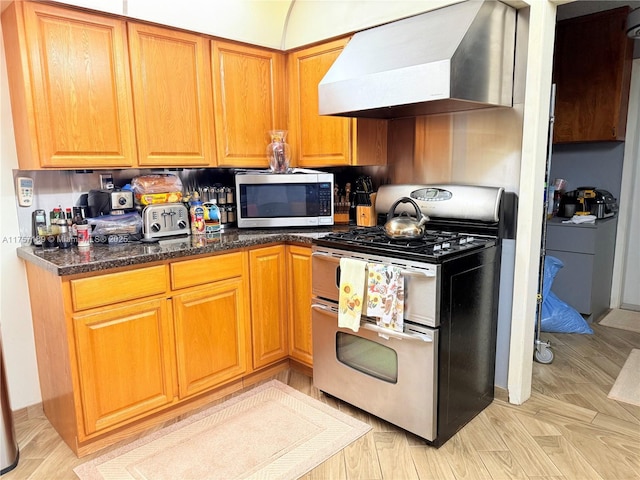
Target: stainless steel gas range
{"points": [[436, 374]]}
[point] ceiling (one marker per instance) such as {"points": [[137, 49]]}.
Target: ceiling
{"points": [[284, 24]]}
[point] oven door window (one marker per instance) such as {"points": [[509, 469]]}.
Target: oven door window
{"points": [[371, 358]]}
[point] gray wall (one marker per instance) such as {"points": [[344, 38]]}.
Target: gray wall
{"points": [[589, 164]]}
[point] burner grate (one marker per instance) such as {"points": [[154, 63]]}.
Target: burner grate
{"points": [[434, 243]]}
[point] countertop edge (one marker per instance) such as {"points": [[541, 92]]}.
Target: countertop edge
{"points": [[75, 261]]}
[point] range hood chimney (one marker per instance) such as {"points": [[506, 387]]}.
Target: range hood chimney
{"points": [[459, 57]]}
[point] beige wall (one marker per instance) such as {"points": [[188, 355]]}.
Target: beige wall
{"points": [[15, 313]]}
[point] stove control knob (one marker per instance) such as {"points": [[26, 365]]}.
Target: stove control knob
{"points": [[446, 245], [155, 227], [182, 224], [470, 239]]}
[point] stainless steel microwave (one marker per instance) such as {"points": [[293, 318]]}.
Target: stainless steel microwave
{"points": [[299, 198]]}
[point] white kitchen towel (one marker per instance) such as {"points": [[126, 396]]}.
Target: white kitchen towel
{"points": [[353, 274], [581, 219], [385, 295]]}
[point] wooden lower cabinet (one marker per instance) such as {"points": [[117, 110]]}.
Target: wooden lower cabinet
{"points": [[125, 359], [268, 305], [210, 336], [124, 350], [299, 293]]}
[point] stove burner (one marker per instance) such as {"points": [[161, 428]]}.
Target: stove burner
{"points": [[434, 244]]}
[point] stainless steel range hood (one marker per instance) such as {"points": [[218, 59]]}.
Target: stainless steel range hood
{"points": [[459, 57]]}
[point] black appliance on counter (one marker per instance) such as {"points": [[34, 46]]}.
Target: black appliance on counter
{"points": [[109, 202], [437, 374], [587, 201]]}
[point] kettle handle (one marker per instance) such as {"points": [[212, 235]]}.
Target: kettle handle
{"points": [[392, 210]]}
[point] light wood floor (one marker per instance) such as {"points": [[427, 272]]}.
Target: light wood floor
{"points": [[567, 430]]}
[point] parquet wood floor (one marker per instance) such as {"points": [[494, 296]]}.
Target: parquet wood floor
{"points": [[568, 429]]}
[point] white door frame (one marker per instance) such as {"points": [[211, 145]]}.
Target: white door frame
{"points": [[628, 192]]}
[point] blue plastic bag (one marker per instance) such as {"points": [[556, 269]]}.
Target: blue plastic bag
{"points": [[558, 316]]}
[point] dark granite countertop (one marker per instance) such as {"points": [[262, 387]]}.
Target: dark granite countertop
{"points": [[103, 257]]}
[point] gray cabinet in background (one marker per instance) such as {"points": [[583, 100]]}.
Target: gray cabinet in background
{"points": [[587, 253]]}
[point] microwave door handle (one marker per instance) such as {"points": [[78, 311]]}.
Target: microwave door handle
{"points": [[399, 335]]}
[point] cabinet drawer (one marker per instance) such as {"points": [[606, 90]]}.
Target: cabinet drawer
{"points": [[117, 287], [569, 238], [190, 273]]}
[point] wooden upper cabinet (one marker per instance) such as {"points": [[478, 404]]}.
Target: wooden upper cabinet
{"points": [[171, 78], [70, 87], [592, 72], [249, 99], [317, 140]]}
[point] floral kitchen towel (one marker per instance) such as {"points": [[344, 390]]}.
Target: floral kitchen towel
{"points": [[385, 295], [352, 288]]}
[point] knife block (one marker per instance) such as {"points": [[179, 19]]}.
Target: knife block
{"points": [[341, 218], [366, 216]]}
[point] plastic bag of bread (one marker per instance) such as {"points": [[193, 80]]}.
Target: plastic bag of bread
{"points": [[157, 188], [156, 183]]}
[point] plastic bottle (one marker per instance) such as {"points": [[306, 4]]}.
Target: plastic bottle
{"points": [[211, 217], [84, 235], [196, 213]]}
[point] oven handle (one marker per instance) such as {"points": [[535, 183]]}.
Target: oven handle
{"points": [[384, 332], [326, 308], [405, 271], [426, 273]]}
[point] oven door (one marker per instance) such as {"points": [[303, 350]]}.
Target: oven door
{"points": [[389, 374]]}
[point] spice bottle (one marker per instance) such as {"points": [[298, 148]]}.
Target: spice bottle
{"points": [[64, 236]]}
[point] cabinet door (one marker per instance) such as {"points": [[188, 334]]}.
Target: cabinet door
{"points": [[592, 74], [268, 305], [316, 140], [210, 329], [125, 360], [299, 293], [70, 87], [573, 282], [171, 88], [249, 90]]}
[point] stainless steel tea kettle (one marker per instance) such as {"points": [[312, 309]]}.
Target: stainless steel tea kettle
{"points": [[404, 226]]}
